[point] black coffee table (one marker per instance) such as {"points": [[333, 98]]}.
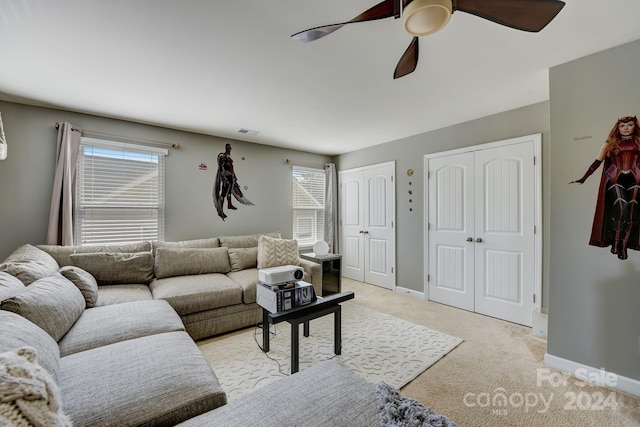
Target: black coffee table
{"points": [[296, 316]]}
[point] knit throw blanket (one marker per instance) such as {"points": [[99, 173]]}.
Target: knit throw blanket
{"points": [[396, 410], [29, 396]]}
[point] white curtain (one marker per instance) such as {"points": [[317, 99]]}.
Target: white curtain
{"points": [[3, 141], [62, 200], [331, 208]]}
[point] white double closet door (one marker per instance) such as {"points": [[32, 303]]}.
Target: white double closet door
{"points": [[481, 246], [367, 229]]}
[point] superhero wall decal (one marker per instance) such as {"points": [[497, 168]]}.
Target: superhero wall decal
{"points": [[226, 184], [615, 221]]}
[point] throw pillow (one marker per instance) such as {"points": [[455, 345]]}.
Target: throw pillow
{"points": [[16, 331], [29, 396], [395, 409], [243, 258], [84, 281], [9, 285], [53, 303], [117, 268], [276, 252], [171, 262], [62, 253], [212, 242], [29, 264], [248, 241]]}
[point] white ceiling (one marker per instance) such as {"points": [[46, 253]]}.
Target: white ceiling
{"points": [[214, 67]]}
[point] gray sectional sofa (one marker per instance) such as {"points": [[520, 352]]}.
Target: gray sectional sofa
{"points": [[104, 336], [114, 325]]}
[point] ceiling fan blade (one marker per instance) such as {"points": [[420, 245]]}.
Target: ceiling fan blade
{"points": [[525, 15], [384, 9], [408, 61]]}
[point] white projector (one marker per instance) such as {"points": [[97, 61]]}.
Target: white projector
{"points": [[282, 274]]}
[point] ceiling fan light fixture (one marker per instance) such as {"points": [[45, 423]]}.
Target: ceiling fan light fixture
{"points": [[424, 17]]}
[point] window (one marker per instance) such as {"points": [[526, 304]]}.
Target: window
{"points": [[119, 193], [308, 205]]}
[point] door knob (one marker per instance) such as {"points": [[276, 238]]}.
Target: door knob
{"points": [[479, 240], [365, 232], [469, 239]]}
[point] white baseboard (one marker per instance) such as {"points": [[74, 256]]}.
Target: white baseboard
{"points": [[410, 292], [597, 376]]}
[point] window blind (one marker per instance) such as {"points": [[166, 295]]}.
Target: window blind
{"points": [[308, 205], [119, 193]]}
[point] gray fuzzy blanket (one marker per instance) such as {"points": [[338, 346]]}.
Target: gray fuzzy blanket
{"points": [[396, 410]]}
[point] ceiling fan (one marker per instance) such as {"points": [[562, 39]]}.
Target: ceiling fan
{"points": [[423, 17]]}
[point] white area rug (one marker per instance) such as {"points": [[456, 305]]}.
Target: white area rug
{"points": [[375, 346]]}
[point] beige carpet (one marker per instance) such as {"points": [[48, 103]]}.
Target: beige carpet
{"points": [[497, 358], [375, 346]]}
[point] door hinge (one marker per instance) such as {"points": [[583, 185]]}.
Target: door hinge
{"points": [[428, 277], [391, 178], [535, 229], [534, 298], [391, 270], [534, 160], [391, 224]]}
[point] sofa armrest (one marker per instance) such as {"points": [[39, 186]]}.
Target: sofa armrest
{"points": [[314, 270]]}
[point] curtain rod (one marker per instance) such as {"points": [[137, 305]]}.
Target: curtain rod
{"points": [[130, 138], [311, 165]]}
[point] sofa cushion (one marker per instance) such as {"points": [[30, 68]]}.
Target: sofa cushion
{"points": [[28, 263], [325, 394], [9, 285], [16, 331], [126, 321], [62, 253], [248, 241], [247, 279], [212, 242], [118, 294], [53, 303], [160, 379], [276, 252], [217, 321], [190, 294], [113, 268], [29, 395], [242, 258], [171, 262], [83, 281]]}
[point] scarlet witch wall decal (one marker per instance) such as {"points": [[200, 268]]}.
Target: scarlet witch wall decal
{"points": [[226, 184], [615, 222]]}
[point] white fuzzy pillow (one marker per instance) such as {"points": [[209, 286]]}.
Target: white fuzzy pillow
{"points": [[29, 396], [276, 252]]}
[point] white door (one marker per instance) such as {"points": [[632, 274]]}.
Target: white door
{"points": [[379, 241], [451, 230], [481, 230], [367, 210], [504, 232], [352, 225]]}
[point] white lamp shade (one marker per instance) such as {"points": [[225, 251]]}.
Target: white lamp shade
{"points": [[423, 17]]}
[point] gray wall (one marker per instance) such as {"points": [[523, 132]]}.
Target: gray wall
{"points": [[409, 153], [594, 307], [27, 178]]}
